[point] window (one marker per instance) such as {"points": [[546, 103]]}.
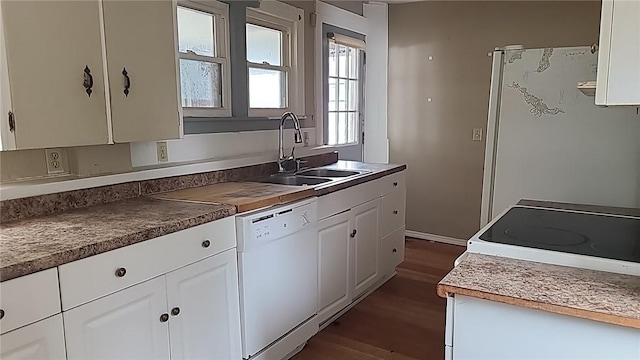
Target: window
{"points": [[344, 87], [274, 59], [202, 46]]}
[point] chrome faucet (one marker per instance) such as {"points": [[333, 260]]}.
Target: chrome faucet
{"points": [[297, 139]]}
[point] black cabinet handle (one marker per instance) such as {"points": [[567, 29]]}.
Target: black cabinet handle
{"points": [[164, 318], [395, 212], [395, 183], [127, 81], [353, 233], [175, 311], [88, 81], [12, 121], [206, 243], [395, 250], [121, 272], [1, 314]]}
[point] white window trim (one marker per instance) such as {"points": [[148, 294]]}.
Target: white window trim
{"points": [[332, 15], [288, 19], [220, 11]]}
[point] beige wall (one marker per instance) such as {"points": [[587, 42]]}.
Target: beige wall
{"points": [[434, 138]]}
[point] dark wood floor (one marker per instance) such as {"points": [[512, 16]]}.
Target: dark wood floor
{"points": [[403, 319]]}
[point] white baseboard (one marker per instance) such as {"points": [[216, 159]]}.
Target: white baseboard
{"points": [[436, 238]]}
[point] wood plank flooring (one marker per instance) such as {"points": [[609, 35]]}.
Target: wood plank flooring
{"points": [[402, 320]]}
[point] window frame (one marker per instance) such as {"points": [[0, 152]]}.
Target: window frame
{"points": [[290, 20], [220, 13]]}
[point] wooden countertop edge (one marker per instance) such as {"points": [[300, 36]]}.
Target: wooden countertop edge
{"points": [[445, 290]]}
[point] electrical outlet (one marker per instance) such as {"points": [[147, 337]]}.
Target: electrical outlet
{"points": [[477, 134], [55, 161], [163, 153], [305, 139]]}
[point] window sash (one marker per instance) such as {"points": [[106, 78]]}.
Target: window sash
{"points": [[334, 115]]}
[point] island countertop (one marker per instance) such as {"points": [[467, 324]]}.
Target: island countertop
{"points": [[595, 295]]}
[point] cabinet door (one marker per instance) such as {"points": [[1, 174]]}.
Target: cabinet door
{"points": [[124, 325], [41, 340], [7, 133], [366, 244], [49, 44], [141, 39], [619, 55], [334, 275], [205, 310]]}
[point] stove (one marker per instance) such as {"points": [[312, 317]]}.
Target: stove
{"points": [[563, 237]]}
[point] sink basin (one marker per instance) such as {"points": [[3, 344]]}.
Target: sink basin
{"points": [[294, 180], [329, 173]]}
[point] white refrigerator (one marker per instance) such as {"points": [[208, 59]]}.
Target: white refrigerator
{"points": [[547, 140]]}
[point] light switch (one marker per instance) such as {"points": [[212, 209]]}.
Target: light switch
{"points": [[477, 134]]}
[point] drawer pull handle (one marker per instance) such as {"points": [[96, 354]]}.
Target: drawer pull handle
{"points": [[395, 212], [206, 244], [353, 233], [164, 318], [121, 272], [1, 314], [395, 183], [395, 250], [175, 311]]}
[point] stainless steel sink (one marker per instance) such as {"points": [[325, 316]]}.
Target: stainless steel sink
{"points": [[329, 173], [294, 180]]}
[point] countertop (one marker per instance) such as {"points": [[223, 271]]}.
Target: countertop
{"points": [[39, 243], [596, 295]]}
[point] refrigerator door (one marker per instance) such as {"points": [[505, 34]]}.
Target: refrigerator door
{"points": [[551, 142]]}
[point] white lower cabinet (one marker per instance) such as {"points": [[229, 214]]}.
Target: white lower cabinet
{"points": [[205, 309], [130, 324], [41, 340], [190, 313], [366, 245], [335, 276]]}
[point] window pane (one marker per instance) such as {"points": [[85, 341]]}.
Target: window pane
{"points": [[333, 101], [267, 88], [342, 128], [353, 63], [342, 94], [264, 45], [342, 60], [195, 32], [333, 128], [333, 59], [353, 127], [201, 84], [352, 101]]}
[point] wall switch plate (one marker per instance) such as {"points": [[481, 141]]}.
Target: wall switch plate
{"points": [[477, 134], [55, 160], [162, 151]]}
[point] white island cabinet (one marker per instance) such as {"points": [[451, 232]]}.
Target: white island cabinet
{"points": [[361, 241], [619, 55], [87, 72], [482, 329]]}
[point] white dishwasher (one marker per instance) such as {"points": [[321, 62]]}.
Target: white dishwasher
{"points": [[278, 276]]}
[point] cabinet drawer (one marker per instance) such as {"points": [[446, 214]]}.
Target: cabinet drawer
{"points": [[346, 199], [393, 182], [28, 299], [393, 211], [88, 279], [392, 251]]}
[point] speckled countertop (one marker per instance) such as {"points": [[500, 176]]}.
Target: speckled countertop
{"points": [[34, 244], [370, 172], [596, 295]]}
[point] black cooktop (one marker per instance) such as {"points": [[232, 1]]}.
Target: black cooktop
{"points": [[597, 235]]}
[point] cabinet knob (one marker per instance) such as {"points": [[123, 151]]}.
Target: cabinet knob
{"points": [[121, 272], [206, 244], [1, 314], [395, 212], [175, 311], [353, 233], [395, 250], [164, 318], [395, 183]]}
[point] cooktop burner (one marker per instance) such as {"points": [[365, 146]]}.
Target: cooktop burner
{"points": [[597, 235]]}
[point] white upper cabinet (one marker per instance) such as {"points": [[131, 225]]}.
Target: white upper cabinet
{"points": [[619, 55], [55, 73], [55, 56], [142, 66]]}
